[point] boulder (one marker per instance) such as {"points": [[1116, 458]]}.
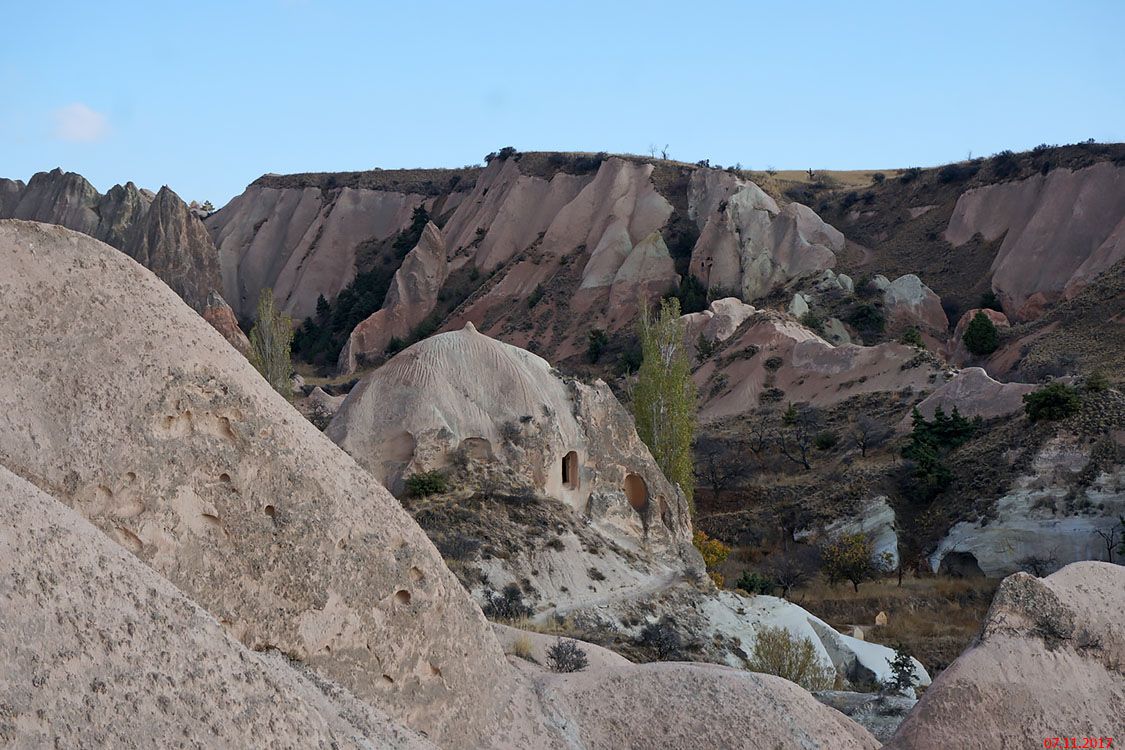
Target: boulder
{"points": [[799, 306], [718, 322], [910, 303], [211, 478], [1049, 656], [100, 651], [835, 332], [1060, 230]]}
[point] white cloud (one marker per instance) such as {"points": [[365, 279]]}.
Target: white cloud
{"points": [[78, 123]]}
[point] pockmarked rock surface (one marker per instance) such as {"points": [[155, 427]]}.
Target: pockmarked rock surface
{"points": [[1049, 656], [100, 651], [173, 445], [1060, 231]]}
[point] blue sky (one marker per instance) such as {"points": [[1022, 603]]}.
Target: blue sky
{"points": [[206, 96]]}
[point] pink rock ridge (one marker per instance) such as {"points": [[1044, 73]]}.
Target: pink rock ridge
{"points": [[1060, 231]]}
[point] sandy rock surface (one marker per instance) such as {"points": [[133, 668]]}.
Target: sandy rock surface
{"points": [[100, 651], [1049, 656], [173, 445]]}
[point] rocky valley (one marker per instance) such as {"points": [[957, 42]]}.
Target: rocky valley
{"points": [[899, 504]]}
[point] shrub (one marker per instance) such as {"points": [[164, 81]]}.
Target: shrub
{"points": [[536, 296], [1096, 381], [956, 172], [909, 175], [878, 177], [566, 656], [596, 342], [773, 364], [426, 483], [754, 583], [714, 553], [826, 440], [867, 318], [692, 295], [779, 652], [813, 322], [930, 442], [990, 301], [505, 605], [981, 337], [663, 638], [1054, 401], [913, 338]]}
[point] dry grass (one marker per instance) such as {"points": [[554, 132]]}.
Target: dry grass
{"points": [[935, 618], [521, 647]]}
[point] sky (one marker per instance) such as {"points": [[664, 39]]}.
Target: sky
{"points": [[207, 96]]}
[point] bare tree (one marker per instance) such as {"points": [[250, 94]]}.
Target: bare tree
{"points": [[664, 152], [719, 464], [1112, 539], [796, 441], [869, 433], [795, 567]]}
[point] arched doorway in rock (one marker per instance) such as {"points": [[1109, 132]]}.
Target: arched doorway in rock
{"points": [[570, 470], [636, 492], [959, 564]]}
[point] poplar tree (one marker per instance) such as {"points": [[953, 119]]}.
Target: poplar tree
{"points": [[270, 340], [664, 396]]}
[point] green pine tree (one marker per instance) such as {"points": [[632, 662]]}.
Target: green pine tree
{"points": [[664, 396], [270, 340], [981, 337]]}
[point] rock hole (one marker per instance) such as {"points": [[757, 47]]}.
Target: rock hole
{"points": [[636, 492], [129, 540], [212, 521], [342, 543], [434, 670], [416, 574], [225, 429], [570, 470], [130, 477], [402, 596], [387, 679], [271, 511], [224, 478]]}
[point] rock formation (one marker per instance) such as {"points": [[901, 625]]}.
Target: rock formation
{"points": [[748, 243], [100, 651], [203, 472], [411, 298], [465, 393], [774, 359], [158, 231], [911, 304], [974, 394], [955, 350], [219, 314], [1049, 656], [302, 243], [174, 447], [1060, 230]]}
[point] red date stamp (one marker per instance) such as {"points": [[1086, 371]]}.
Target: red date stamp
{"points": [[1077, 743]]}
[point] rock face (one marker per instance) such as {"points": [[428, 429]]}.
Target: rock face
{"points": [[203, 472], [465, 392], [221, 317], [301, 242], [173, 446], [158, 231], [100, 651], [975, 394], [1060, 231], [410, 299], [775, 359], [601, 705], [875, 519], [910, 303], [1038, 519], [747, 242], [1049, 656], [588, 246]]}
